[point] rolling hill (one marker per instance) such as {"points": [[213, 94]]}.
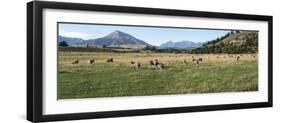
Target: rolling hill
{"points": [[232, 42]]}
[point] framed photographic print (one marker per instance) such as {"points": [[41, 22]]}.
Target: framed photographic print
{"points": [[96, 61]]}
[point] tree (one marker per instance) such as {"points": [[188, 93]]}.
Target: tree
{"points": [[237, 31], [151, 48], [63, 44]]}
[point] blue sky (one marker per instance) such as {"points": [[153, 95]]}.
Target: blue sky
{"points": [[152, 35]]}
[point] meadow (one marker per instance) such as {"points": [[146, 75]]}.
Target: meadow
{"points": [[216, 73]]}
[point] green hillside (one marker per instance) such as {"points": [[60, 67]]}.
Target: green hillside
{"points": [[234, 42]]}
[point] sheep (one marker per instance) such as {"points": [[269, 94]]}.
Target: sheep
{"points": [[91, 61], [160, 66], [151, 62], [136, 65], [156, 64], [193, 59], [197, 61], [237, 58], [132, 62], [75, 62], [184, 61], [109, 60], [254, 56]]}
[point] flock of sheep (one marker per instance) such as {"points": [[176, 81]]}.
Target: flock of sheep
{"points": [[156, 64], [137, 65]]}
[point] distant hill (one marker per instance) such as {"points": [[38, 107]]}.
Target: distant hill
{"points": [[232, 42], [181, 45], [114, 39]]}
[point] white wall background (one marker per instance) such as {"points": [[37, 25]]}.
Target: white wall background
{"points": [[13, 61]]}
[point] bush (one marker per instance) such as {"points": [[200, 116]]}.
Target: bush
{"points": [[63, 44]]}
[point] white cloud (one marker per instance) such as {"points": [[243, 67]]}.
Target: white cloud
{"points": [[77, 35]]}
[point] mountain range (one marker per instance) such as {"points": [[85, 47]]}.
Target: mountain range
{"points": [[181, 45], [115, 38], [118, 38], [71, 41]]}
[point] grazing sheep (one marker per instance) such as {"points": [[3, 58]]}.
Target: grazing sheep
{"points": [[92, 61], [237, 58], [193, 59], [184, 61], [156, 64], [75, 62], [160, 66], [132, 62], [197, 61], [254, 56], [109, 60], [151, 62], [136, 65]]}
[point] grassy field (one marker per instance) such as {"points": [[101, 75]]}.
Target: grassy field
{"points": [[217, 73]]}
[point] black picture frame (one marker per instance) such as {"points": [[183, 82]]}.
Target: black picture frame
{"points": [[35, 69]]}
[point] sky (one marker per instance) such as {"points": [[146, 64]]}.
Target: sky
{"points": [[152, 35]]}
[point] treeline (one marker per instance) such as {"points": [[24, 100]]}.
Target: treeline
{"points": [[218, 39], [65, 47], [228, 49], [165, 50]]}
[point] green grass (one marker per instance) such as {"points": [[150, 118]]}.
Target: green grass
{"points": [[119, 79]]}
